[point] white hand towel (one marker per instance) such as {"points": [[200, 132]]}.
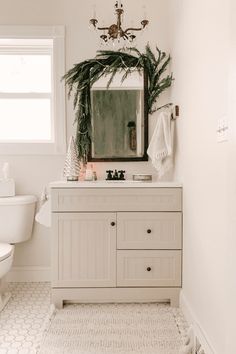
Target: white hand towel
{"points": [[160, 149], [43, 216]]}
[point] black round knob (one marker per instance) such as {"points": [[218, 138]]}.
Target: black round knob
{"points": [[149, 231], [149, 269], [113, 223]]}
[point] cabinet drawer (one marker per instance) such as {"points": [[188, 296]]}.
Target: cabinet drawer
{"points": [[116, 199], [149, 230], [149, 268]]}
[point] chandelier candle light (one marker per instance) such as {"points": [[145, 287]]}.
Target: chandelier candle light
{"points": [[115, 32]]}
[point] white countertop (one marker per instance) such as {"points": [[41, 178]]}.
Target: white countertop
{"points": [[114, 184]]}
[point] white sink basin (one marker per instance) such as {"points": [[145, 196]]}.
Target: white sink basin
{"points": [[119, 181], [114, 184]]}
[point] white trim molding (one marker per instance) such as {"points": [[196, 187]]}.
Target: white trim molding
{"points": [[198, 331], [29, 274]]}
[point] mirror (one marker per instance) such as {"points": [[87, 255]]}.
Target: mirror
{"points": [[119, 119]]}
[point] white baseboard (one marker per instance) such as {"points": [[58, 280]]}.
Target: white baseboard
{"points": [[29, 274], [192, 320]]}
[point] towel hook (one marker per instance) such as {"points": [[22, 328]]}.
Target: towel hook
{"points": [[175, 113]]}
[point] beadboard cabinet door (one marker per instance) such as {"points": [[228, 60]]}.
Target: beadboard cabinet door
{"points": [[84, 250]]}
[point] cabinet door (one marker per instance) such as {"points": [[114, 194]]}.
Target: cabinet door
{"points": [[150, 230], [85, 250]]}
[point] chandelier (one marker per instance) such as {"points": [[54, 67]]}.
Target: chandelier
{"points": [[115, 32]]}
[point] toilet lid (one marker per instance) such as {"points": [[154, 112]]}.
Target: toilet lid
{"points": [[5, 250]]}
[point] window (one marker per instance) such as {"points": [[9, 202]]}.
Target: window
{"points": [[32, 107]]}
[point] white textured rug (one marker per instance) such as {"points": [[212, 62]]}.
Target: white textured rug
{"points": [[115, 329]]}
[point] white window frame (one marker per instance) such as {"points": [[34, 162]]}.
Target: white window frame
{"points": [[58, 145]]}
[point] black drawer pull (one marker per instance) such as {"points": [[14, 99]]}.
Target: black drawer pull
{"points": [[149, 231], [113, 223], [149, 269]]}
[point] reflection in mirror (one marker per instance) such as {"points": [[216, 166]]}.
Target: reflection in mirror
{"points": [[118, 119]]}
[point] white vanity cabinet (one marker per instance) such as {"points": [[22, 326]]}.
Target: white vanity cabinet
{"points": [[114, 242]]}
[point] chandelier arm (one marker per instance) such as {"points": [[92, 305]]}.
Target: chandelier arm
{"points": [[103, 28], [133, 29], [119, 13]]}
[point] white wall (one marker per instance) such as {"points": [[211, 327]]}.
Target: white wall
{"points": [[231, 191], [200, 40], [32, 173], [202, 44]]}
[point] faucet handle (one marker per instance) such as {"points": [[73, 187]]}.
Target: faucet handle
{"points": [[122, 176], [109, 175]]}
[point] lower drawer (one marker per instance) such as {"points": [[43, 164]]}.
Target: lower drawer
{"points": [[149, 268]]}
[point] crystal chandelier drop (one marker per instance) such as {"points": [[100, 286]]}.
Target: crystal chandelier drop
{"points": [[115, 32]]}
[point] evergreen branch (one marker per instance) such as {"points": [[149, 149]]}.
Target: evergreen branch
{"points": [[82, 76]]}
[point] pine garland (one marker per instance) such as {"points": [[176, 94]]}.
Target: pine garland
{"points": [[83, 75]]}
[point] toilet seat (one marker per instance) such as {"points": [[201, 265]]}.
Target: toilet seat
{"points": [[6, 250]]}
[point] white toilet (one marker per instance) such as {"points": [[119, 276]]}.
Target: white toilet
{"points": [[16, 223]]}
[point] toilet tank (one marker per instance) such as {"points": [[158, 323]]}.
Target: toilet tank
{"points": [[16, 218]]}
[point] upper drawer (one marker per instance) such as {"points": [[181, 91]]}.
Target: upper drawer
{"points": [[120, 199], [150, 230]]}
